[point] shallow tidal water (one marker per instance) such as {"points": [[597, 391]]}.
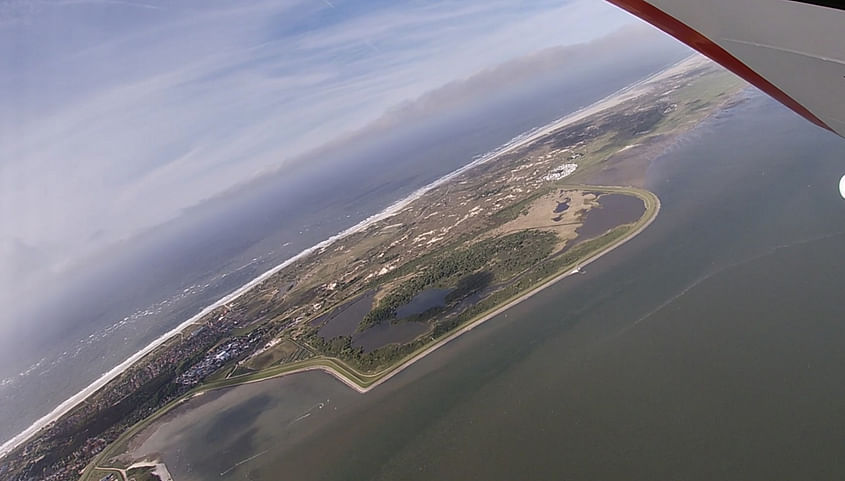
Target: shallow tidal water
{"points": [[86, 323], [708, 347]]}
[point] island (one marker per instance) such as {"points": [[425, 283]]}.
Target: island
{"points": [[368, 304]]}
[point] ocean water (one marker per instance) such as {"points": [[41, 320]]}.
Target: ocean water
{"points": [[709, 347], [89, 322]]}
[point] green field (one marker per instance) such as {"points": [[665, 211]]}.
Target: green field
{"points": [[538, 277]]}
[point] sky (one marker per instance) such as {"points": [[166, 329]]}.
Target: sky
{"points": [[117, 115]]}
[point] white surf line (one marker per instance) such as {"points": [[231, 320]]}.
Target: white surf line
{"points": [[244, 462], [609, 101], [394, 371]]}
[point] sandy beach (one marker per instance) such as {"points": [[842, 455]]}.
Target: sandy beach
{"points": [[387, 374], [610, 101]]}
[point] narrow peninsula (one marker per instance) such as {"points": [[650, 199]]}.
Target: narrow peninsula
{"points": [[368, 305]]}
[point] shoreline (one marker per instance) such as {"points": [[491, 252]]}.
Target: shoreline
{"points": [[523, 297], [627, 93], [386, 374], [351, 377]]}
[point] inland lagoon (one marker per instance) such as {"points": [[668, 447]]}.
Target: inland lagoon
{"points": [[707, 347]]}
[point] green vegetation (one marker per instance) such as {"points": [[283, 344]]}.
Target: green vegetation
{"points": [[540, 270], [502, 256], [365, 369], [531, 279], [521, 262], [104, 474], [285, 351], [142, 474], [451, 238], [511, 212], [469, 285], [365, 362], [529, 264]]}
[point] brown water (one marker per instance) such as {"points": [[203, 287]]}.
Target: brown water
{"points": [[709, 347]]}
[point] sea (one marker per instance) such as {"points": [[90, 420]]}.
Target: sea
{"points": [[87, 322], [708, 347]]}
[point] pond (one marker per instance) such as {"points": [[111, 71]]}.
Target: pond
{"points": [[613, 210], [423, 301], [388, 333], [562, 206], [344, 319]]}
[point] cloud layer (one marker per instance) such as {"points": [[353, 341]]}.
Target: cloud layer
{"points": [[117, 115]]}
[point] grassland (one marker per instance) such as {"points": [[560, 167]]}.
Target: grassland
{"points": [[455, 231], [532, 282], [494, 223]]}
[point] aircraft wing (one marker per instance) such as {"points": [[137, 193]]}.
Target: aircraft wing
{"points": [[792, 50]]}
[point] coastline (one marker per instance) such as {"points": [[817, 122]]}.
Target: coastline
{"points": [[329, 365], [364, 383], [610, 101], [651, 214], [494, 370]]}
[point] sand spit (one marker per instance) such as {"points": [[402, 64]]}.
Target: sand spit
{"points": [[633, 91]]}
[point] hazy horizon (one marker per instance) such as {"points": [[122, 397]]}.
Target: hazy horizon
{"points": [[92, 313], [119, 116]]}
